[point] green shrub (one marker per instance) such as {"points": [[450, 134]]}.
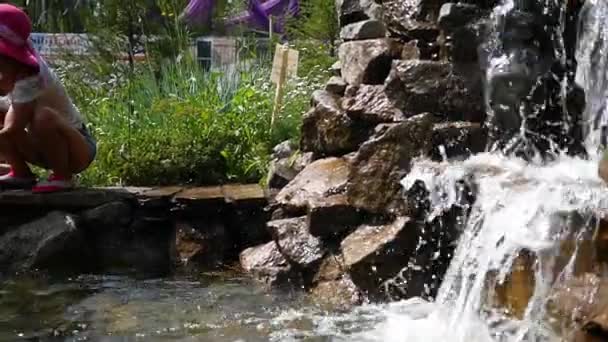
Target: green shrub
{"points": [[180, 125]]}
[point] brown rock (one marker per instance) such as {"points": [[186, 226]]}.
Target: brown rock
{"points": [[294, 241], [330, 269], [332, 216], [515, 292], [315, 183], [368, 61], [337, 294], [327, 130], [384, 160], [370, 103], [284, 170], [457, 140], [603, 167], [410, 50], [201, 244], [374, 254], [435, 87], [266, 264]]}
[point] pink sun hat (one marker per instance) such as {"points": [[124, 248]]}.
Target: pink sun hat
{"points": [[15, 30]]}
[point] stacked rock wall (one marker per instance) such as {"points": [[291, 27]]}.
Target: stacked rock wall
{"points": [[408, 84]]}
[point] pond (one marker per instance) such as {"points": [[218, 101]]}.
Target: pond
{"points": [[213, 308]]}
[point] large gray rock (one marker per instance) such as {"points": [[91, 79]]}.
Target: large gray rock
{"points": [[109, 215], [413, 20], [456, 15], [321, 179], [336, 85], [369, 103], [375, 253], [351, 11], [368, 61], [296, 243], [383, 161], [368, 29], [327, 130], [435, 87], [336, 69], [51, 241], [266, 264]]}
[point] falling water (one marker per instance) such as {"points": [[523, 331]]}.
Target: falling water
{"points": [[522, 209], [592, 74]]}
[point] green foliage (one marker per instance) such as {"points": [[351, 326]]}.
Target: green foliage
{"points": [[166, 121], [315, 34], [184, 126], [318, 22]]}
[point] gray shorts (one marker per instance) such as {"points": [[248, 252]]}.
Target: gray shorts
{"points": [[91, 143]]}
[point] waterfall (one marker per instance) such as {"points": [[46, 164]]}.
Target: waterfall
{"points": [[525, 213], [592, 73]]}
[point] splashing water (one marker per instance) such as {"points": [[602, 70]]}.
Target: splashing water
{"points": [[515, 213], [519, 211]]}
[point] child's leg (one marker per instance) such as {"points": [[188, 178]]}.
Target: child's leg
{"points": [[63, 147], [17, 149]]}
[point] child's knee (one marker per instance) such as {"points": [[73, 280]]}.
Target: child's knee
{"points": [[44, 120]]}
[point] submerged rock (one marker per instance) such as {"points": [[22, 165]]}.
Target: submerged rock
{"points": [[200, 244], [51, 241], [341, 294], [267, 264], [368, 61]]}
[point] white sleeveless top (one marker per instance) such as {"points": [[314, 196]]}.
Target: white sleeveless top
{"points": [[46, 91]]}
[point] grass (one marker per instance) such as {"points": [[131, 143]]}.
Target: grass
{"points": [[180, 125]]}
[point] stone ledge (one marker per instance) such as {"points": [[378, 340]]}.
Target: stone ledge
{"points": [[86, 198]]}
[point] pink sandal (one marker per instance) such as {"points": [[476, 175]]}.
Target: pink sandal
{"points": [[11, 182], [53, 184]]}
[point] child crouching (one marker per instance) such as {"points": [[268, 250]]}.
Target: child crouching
{"points": [[41, 126]]}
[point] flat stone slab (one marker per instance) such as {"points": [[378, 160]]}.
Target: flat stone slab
{"points": [[85, 198], [76, 199]]}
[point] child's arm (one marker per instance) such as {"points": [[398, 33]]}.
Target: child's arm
{"points": [[17, 118]]}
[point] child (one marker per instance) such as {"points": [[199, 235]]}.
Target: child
{"points": [[42, 126]]}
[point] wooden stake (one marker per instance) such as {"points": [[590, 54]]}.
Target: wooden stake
{"points": [[284, 58]]}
